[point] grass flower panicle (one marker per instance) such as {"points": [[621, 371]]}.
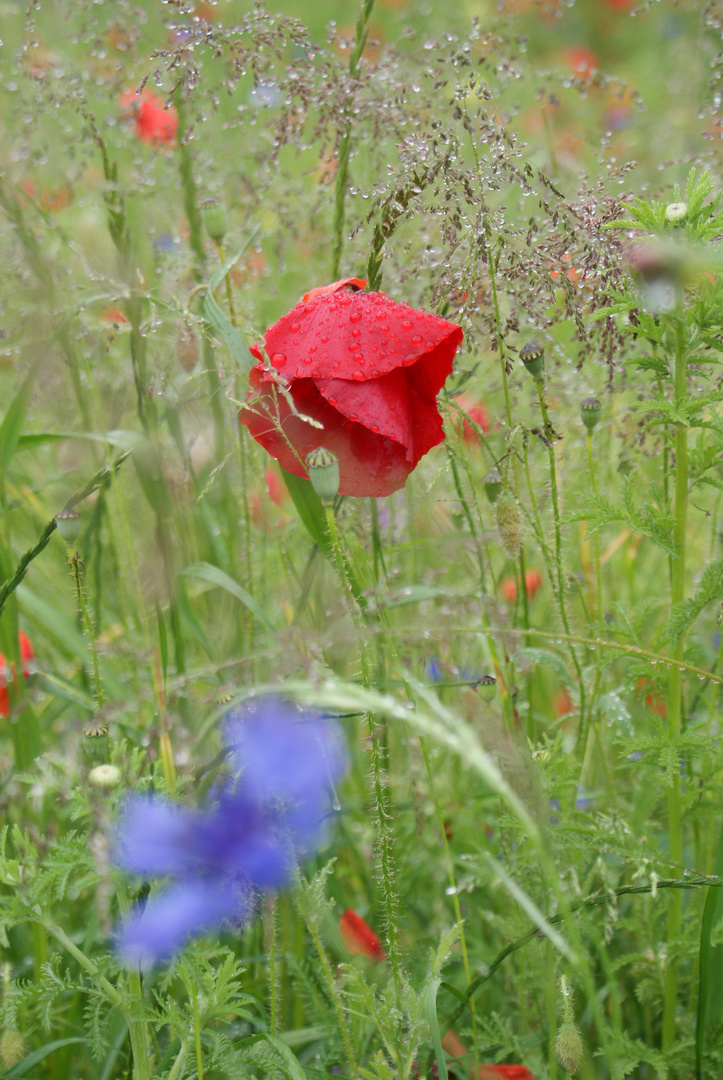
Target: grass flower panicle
{"points": [[248, 839]]}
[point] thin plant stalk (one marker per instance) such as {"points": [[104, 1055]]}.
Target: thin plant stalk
{"points": [[197, 1031], [453, 891], [596, 536], [675, 829], [558, 551], [342, 171]]}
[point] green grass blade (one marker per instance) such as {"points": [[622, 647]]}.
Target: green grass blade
{"points": [[430, 1013], [29, 1063], [203, 571], [710, 992]]}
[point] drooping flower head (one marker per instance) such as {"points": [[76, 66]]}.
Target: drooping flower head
{"points": [[366, 371], [248, 839], [359, 938]]}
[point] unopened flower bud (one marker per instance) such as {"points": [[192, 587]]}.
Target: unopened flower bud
{"points": [[187, 346], [492, 484], [104, 776], [12, 1047], [213, 216], [590, 412], [509, 525], [676, 213], [532, 356], [569, 1047], [95, 740], [68, 525], [487, 687], [323, 466]]}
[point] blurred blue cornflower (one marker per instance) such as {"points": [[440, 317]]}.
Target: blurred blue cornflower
{"points": [[249, 838]]}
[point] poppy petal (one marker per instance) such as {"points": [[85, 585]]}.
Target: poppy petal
{"points": [[369, 463], [359, 336], [397, 410]]}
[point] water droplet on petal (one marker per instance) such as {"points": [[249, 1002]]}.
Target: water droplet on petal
{"points": [[315, 375], [312, 348], [352, 346], [382, 355], [353, 416], [278, 359], [308, 359], [379, 314], [409, 359], [385, 328], [375, 429], [295, 327], [429, 344], [416, 340], [323, 339], [344, 300], [335, 366], [355, 316], [356, 333], [332, 400], [359, 357], [359, 376], [406, 325]]}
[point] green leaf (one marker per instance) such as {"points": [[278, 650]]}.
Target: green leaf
{"points": [[220, 322], [547, 658], [309, 508], [283, 1058], [204, 571], [430, 1014], [710, 991], [28, 1064], [13, 422]]}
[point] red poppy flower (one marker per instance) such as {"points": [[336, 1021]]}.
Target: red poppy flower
{"points": [[366, 370], [154, 123], [6, 671], [510, 1072], [359, 938]]}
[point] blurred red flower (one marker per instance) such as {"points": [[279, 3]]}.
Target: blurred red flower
{"points": [[8, 671], [275, 486], [478, 414], [154, 123], [366, 370], [508, 586], [582, 61], [359, 938]]}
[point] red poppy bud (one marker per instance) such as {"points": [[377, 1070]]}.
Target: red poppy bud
{"points": [[366, 371], [508, 589], [533, 581], [359, 938], [154, 122]]}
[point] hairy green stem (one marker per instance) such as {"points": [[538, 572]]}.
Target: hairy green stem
{"points": [[675, 829], [8, 587], [197, 1031], [333, 993], [75, 564]]}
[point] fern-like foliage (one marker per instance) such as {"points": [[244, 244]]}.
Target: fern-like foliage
{"points": [[684, 615], [599, 510]]}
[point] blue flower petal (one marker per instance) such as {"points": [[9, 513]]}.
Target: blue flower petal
{"points": [[170, 919], [153, 837]]}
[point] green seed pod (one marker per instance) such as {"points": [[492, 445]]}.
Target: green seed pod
{"points": [[323, 468], [213, 216], [532, 356], [68, 525], [569, 1047], [509, 524], [676, 213], [104, 777], [487, 687], [492, 484], [187, 346], [590, 412], [12, 1047], [95, 740]]}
